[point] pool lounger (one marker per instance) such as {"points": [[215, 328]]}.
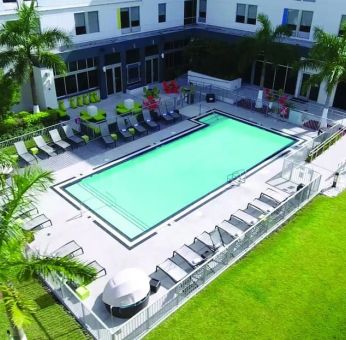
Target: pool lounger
{"points": [[23, 153], [43, 146], [71, 136], [230, 229], [244, 217], [122, 128], [148, 120], [138, 127], [100, 271], [212, 240], [262, 206], [36, 222], [276, 196], [189, 255], [106, 135], [56, 138], [172, 270], [69, 249]]}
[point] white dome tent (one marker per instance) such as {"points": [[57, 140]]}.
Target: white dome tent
{"points": [[127, 292]]}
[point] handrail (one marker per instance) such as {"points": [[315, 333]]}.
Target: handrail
{"points": [[321, 146]]}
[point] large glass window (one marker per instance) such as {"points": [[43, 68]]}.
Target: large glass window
{"points": [[241, 10], [306, 21], [342, 25], [80, 24], [129, 19], [162, 12], [252, 14], [246, 14], [87, 22], [133, 73], [292, 19], [202, 16], [82, 76]]}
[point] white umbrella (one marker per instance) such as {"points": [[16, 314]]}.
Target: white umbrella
{"points": [[324, 118], [126, 288]]}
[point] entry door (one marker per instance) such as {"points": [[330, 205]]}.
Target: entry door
{"points": [[113, 79], [152, 70], [190, 12], [308, 92]]}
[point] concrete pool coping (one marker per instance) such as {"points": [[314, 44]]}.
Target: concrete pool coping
{"points": [[130, 243]]}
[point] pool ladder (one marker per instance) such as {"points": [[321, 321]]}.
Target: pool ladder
{"points": [[237, 177]]}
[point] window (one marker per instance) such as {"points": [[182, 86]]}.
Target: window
{"points": [[202, 16], [241, 10], [82, 76], [299, 22], [246, 14], [129, 19], [162, 12], [133, 73], [112, 58], [87, 22], [342, 25]]}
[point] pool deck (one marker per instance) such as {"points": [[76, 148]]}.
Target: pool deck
{"points": [[70, 223]]}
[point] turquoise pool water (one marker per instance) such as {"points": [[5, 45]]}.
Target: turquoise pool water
{"points": [[145, 190]]}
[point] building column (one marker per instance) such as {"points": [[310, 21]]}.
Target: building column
{"points": [[102, 76], [123, 69], [298, 83]]}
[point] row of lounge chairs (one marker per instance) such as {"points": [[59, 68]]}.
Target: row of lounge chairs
{"points": [[72, 249], [42, 145], [188, 257]]}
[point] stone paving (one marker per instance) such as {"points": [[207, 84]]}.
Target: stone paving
{"points": [[70, 223]]}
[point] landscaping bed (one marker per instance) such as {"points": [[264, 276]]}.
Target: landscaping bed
{"points": [[51, 320]]}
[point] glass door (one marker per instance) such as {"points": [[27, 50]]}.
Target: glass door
{"points": [[308, 91], [113, 79], [152, 70]]}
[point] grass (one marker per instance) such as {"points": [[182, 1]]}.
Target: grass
{"points": [[51, 320], [292, 286]]}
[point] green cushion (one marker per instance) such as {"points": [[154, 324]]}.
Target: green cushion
{"points": [[114, 136], [85, 138], [34, 150], [132, 131], [83, 292]]}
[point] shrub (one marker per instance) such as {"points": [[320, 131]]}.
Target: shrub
{"points": [[80, 101], [35, 118], [73, 103], [62, 106], [86, 100], [59, 114]]}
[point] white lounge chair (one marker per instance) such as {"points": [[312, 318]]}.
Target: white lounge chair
{"points": [[23, 152], [39, 221], [277, 197], [56, 138], [71, 136], [172, 270], [70, 249], [189, 255], [243, 216], [262, 206], [42, 145]]}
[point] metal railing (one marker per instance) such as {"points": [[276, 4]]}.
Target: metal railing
{"points": [[323, 146], [149, 317]]}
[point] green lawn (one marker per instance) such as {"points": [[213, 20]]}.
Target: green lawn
{"points": [[51, 321], [292, 286]]}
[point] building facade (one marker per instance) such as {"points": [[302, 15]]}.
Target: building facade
{"points": [[120, 45]]}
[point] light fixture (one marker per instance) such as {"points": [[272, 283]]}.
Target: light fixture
{"points": [[162, 55], [104, 69]]}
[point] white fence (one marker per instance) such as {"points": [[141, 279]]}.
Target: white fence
{"points": [[149, 317]]}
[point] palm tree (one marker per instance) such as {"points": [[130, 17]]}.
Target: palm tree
{"points": [[328, 59], [266, 42], [26, 46], [16, 264]]}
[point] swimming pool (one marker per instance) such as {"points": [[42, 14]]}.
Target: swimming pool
{"points": [[140, 193]]}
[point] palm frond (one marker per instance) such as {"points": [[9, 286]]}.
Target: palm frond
{"points": [[53, 61], [68, 268], [49, 39], [19, 307]]}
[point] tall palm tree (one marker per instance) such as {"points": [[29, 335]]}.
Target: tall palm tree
{"points": [[16, 265], [266, 43], [328, 59], [26, 46]]}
